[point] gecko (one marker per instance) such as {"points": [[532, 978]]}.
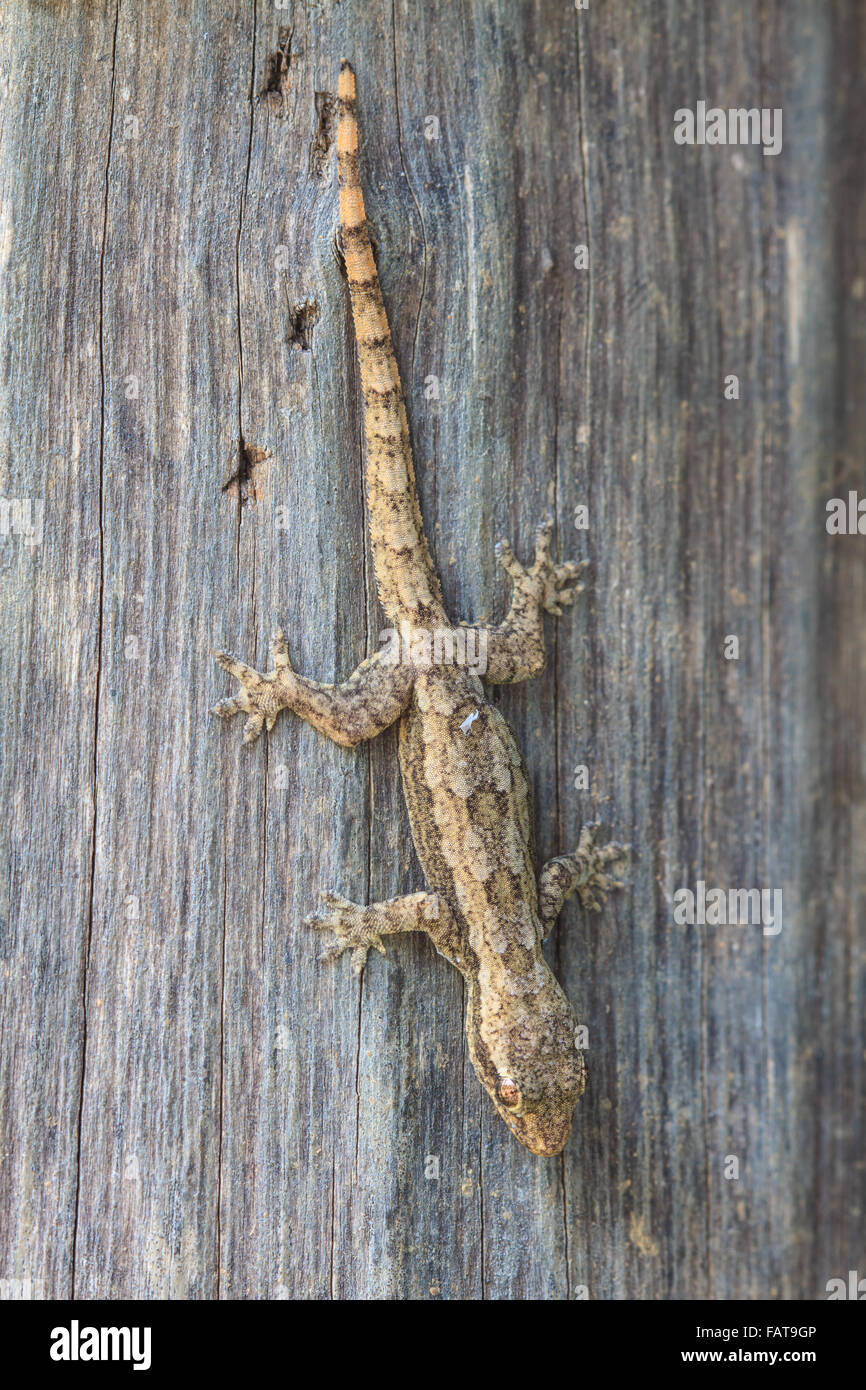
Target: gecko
{"points": [[465, 782]]}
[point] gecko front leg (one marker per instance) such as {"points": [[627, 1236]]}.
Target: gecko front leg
{"points": [[360, 929], [515, 649], [373, 697], [584, 872]]}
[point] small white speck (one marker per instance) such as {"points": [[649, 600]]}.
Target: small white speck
{"points": [[466, 726]]}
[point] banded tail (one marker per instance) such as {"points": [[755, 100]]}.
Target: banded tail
{"points": [[407, 581]]}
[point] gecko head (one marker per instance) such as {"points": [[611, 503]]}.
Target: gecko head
{"points": [[535, 1073], [542, 1123]]}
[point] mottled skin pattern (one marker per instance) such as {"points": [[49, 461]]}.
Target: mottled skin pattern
{"points": [[464, 778]]}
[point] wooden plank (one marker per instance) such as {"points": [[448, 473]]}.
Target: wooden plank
{"points": [[152, 1116], [52, 195], [192, 1105]]}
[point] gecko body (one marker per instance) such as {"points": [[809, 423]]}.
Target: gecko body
{"points": [[464, 779]]}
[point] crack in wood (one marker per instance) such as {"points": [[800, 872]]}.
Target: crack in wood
{"points": [[325, 132], [303, 318], [242, 483], [278, 82]]}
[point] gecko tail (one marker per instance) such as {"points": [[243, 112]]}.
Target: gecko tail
{"points": [[407, 581]]}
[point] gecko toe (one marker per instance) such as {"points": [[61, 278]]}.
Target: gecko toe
{"points": [[280, 651], [253, 728], [507, 559], [234, 666], [224, 709]]}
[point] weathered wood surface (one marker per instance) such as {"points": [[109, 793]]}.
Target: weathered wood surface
{"points": [[192, 1106]]}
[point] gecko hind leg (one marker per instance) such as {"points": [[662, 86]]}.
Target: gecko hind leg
{"points": [[585, 872], [516, 648], [373, 697], [360, 929]]}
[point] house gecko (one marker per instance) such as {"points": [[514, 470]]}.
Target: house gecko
{"points": [[464, 779]]}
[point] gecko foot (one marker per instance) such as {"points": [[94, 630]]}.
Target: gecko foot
{"points": [[587, 873], [550, 585], [261, 696], [592, 862], [352, 926]]}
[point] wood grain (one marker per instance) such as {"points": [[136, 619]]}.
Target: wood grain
{"points": [[191, 1106]]}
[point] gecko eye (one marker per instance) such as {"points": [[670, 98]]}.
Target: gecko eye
{"points": [[509, 1092]]}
